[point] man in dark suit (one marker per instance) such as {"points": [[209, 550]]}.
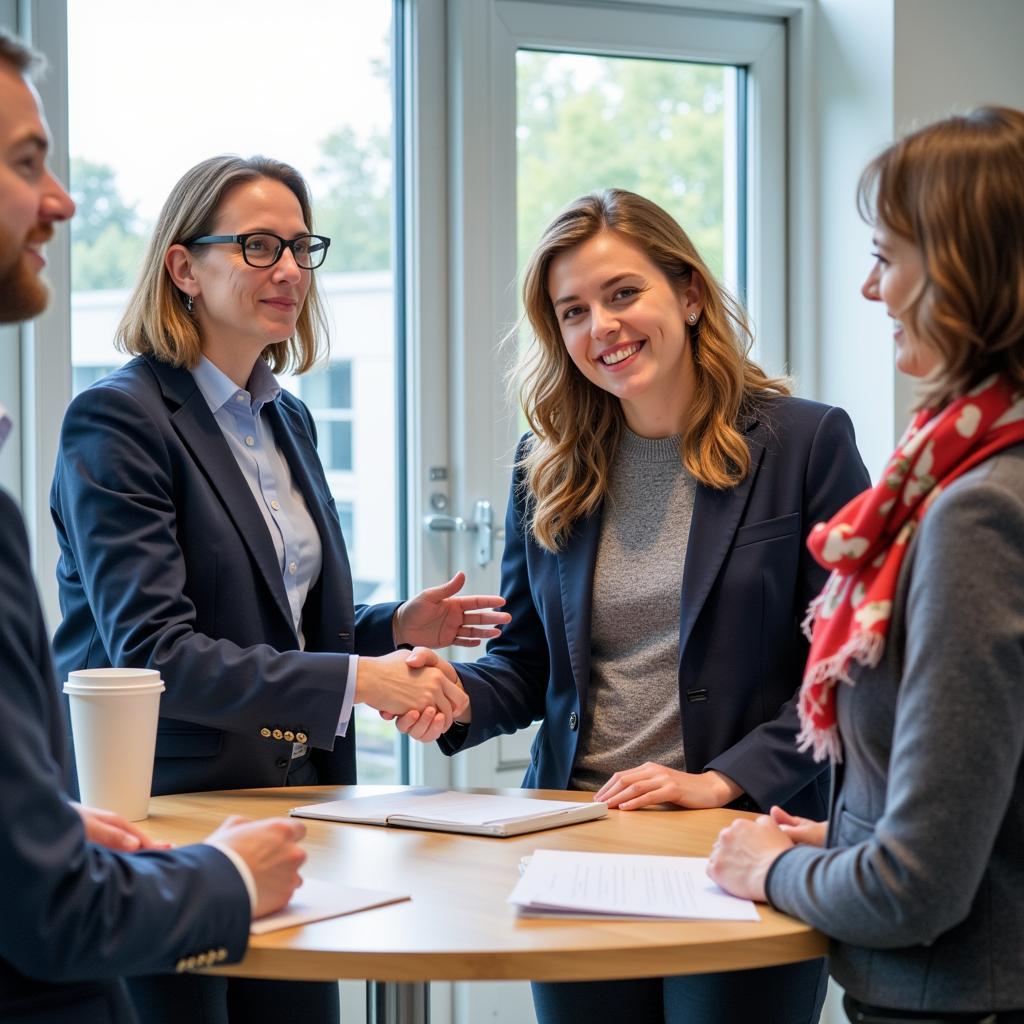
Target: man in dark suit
{"points": [[77, 910]]}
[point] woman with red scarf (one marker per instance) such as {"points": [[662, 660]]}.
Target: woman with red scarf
{"points": [[914, 685]]}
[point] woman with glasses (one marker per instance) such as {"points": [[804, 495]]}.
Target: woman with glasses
{"points": [[915, 678], [198, 535]]}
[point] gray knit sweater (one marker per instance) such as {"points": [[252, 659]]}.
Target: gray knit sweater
{"points": [[633, 697]]}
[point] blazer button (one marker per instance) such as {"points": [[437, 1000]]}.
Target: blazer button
{"points": [[281, 762], [278, 735], [574, 721], [301, 737], [265, 733], [289, 735]]}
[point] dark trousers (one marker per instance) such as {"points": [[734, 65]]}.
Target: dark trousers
{"points": [[197, 999], [790, 994]]}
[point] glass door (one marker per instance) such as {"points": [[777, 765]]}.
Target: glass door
{"points": [[551, 101]]}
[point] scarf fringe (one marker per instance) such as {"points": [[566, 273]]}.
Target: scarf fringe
{"points": [[823, 743], [807, 624], [864, 648]]}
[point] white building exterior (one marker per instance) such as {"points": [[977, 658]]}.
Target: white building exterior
{"points": [[361, 313]]}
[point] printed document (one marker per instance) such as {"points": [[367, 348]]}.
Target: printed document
{"points": [[563, 883]]}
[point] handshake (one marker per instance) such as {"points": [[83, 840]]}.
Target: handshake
{"points": [[419, 690]]}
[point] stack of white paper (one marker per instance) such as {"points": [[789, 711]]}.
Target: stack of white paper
{"points": [[567, 884]]}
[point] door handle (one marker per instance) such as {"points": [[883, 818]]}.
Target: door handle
{"points": [[482, 525]]}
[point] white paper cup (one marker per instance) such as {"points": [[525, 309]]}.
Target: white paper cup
{"points": [[114, 714]]}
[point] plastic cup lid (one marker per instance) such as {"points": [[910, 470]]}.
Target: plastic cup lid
{"points": [[111, 678], [155, 687]]}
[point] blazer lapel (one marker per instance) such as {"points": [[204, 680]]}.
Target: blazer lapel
{"points": [[716, 516], [199, 430], [576, 581]]}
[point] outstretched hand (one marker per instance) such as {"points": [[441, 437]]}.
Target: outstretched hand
{"points": [[437, 618]]}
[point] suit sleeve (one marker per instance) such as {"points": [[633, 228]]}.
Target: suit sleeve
{"points": [[74, 911], [114, 504], [508, 685], [766, 762], [958, 738]]}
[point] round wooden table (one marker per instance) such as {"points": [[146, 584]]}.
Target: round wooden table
{"points": [[458, 925]]}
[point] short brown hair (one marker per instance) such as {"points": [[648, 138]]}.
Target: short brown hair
{"points": [[955, 189], [577, 425], [16, 54], [156, 321]]}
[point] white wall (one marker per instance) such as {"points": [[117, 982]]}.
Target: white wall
{"points": [[883, 67]]}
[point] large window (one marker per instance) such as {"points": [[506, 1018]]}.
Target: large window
{"points": [[667, 130], [155, 88]]}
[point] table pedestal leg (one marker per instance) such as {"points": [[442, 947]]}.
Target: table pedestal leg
{"points": [[397, 1002]]}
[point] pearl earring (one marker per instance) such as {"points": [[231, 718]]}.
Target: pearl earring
{"points": [[691, 319]]}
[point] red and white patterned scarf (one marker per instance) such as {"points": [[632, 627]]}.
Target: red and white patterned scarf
{"points": [[865, 542]]}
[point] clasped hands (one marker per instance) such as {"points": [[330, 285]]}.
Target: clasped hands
{"points": [[745, 850], [419, 689]]}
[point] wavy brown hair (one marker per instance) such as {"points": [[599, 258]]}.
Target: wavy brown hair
{"points": [[576, 425], [156, 321], [955, 189]]}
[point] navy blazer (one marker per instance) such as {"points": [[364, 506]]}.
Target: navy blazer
{"points": [[74, 912], [747, 581], [166, 563]]}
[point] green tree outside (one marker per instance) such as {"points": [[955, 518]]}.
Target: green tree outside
{"points": [[651, 126], [353, 204], [107, 240]]}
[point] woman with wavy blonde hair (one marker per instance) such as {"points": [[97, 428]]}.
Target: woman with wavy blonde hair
{"points": [[654, 564], [576, 426]]}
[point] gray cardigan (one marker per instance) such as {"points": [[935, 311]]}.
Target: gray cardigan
{"points": [[921, 885]]}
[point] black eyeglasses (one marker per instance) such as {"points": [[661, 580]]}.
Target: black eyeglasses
{"points": [[262, 249]]}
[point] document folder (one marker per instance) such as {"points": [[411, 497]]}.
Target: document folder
{"points": [[442, 810]]}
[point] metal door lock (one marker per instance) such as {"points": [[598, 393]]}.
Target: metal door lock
{"points": [[482, 524]]}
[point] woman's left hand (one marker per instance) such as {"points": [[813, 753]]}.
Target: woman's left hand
{"points": [[437, 618], [652, 783], [743, 853]]}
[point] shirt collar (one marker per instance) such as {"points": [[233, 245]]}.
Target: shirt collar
{"points": [[6, 423], [218, 388]]}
